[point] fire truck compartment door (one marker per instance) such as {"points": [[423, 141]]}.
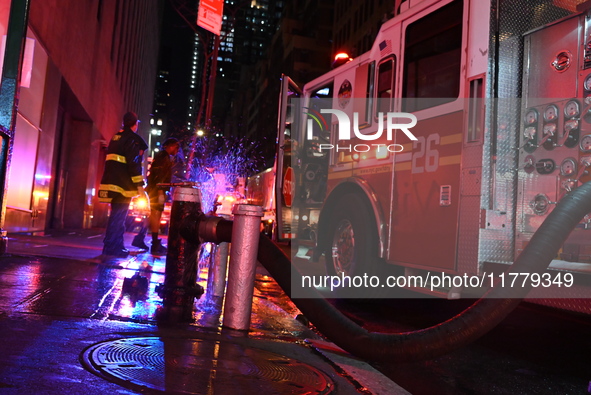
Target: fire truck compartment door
{"points": [[284, 184], [425, 204]]}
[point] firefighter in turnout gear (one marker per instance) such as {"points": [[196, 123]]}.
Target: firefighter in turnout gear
{"points": [[160, 172], [122, 180]]}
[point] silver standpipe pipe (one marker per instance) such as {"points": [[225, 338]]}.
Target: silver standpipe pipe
{"points": [[243, 258], [218, 266]]}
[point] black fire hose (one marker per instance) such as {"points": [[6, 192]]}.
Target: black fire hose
{"points": [[439, 339]]}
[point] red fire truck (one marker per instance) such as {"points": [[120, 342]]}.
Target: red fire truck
{"points": [[501, 95]]}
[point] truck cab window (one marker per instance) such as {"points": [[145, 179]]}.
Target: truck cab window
{"points": [[432, 58], [363, 93], [385, 90], [319, 99]]}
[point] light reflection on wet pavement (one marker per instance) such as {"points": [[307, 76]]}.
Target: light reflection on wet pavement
{"points": [[123, 294], [51, 309], [126, 290]]}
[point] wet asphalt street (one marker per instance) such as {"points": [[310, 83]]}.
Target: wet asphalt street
{"points": [[71, 323], [54, 308]]}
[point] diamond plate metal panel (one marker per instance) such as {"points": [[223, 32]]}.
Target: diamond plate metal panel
{"points": [[468, 230], [500, 162], [471, 181]]}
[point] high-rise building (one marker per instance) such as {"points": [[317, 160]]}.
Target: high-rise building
{"points": [[194, 82], [356, 24], [176, 81], [247, 30]]}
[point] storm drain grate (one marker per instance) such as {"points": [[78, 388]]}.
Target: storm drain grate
{"points": [[197, 366]]}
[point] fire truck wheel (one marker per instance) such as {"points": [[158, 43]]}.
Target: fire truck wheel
{"points": [[353, 241]]}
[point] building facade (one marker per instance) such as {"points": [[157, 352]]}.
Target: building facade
{"points": [[85, 64], [356, 24]]}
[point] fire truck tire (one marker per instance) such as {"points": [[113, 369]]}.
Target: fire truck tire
{"points": [[353, 239]]}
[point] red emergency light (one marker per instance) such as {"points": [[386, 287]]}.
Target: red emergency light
{"points": [[340, 59]]}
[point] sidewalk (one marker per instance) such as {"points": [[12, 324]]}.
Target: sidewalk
{"points": [[64, 314]]}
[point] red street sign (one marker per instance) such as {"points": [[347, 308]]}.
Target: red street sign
{"points": [[288, 187], [210, 14]]}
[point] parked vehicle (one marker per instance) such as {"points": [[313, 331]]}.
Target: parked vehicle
{"points": [[138, 212]]}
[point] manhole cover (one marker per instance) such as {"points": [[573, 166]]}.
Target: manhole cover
{"points": [[196, 366]]}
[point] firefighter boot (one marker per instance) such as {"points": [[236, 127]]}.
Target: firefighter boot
{"points": [[138, 241], [158, 248]]}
